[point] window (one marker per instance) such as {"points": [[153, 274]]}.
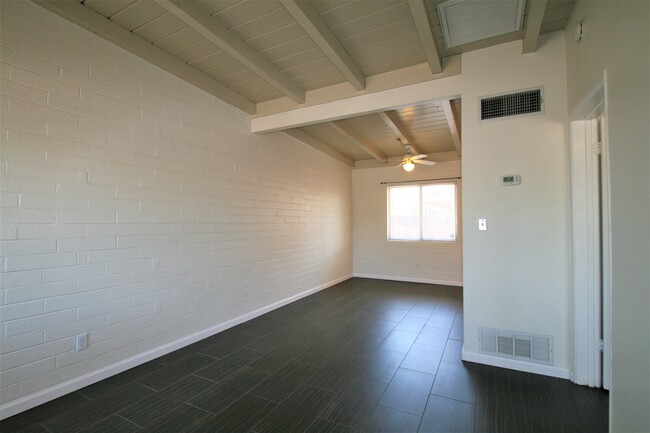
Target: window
{"points": [[422, 212]]}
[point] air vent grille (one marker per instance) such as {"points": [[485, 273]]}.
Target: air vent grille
{"points": [[512, 104], [516, 345]]}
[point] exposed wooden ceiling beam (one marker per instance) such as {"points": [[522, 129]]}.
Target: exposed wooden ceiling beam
{"points": [[343, 128], [307, 139], [307, 17], [90, 20], [200, 20], [394, 122], [454, 124], [425, 32], [533, 25]]}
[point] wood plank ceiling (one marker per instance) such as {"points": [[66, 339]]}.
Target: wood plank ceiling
{"points": [[252, 51]]}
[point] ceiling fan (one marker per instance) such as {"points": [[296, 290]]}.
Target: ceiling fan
{"points": [[409, 161]]}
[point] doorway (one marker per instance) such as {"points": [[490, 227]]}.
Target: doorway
{"points": [[591, 241]]}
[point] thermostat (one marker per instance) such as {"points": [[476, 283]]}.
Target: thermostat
{"points": [[511, 179]]}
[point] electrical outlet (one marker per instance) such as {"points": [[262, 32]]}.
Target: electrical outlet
{"points": [[82, 342]]}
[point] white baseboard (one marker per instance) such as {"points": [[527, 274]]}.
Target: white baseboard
{"points": [[513, 364], [410, 280], [29, 401]]}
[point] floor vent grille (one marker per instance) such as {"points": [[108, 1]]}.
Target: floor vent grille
{"points": [[516, 345], [511, 104]]}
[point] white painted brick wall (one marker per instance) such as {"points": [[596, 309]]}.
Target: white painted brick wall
{"points": [[375, 255], [139, 209]]}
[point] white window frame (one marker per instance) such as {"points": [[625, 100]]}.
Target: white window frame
{"points": [[420, 185]]}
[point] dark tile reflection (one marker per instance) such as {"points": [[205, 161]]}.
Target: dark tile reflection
{"points": [[362, 356]]}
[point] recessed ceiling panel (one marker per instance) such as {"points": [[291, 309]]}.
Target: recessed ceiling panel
{"points": [[465, 21]]}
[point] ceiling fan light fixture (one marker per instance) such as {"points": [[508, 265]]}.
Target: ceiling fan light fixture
{"points": [[408, 165]]}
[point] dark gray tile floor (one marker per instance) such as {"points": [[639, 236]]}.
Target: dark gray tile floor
{"points": [[362, 356]]}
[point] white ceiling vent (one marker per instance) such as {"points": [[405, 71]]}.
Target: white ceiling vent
{"points": [[516, 345], [465, 21], [511, 104]]}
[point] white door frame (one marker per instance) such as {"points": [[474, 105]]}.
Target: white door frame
{"points": [[606, 236], [590, 239]]}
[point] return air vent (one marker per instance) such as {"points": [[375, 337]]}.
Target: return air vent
{"points": [[516, 345], [511, 104]]}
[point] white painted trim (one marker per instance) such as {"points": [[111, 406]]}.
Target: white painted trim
{"points": [[590, 103], [513, 364], [29, 401], [533, 26], [454, 127], [588, 314], [585, 257], [410, 279], [419, 73], [443, 88], [607, 242]]}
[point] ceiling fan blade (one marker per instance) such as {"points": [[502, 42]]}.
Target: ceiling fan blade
{"points": [[429, 163], [400, 164], [420, 156]]}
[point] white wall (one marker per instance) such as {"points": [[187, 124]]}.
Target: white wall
{"points": [[377, 257], [616, 40], [517, 273], [140, 210]]}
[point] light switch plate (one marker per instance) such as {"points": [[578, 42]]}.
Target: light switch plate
{"points": [[482, 224]]}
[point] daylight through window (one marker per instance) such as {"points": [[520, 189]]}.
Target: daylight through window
{"points": [[422, 212]]}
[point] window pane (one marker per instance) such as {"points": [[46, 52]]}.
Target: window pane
{"points": [[404, 213], [439, 212]]}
